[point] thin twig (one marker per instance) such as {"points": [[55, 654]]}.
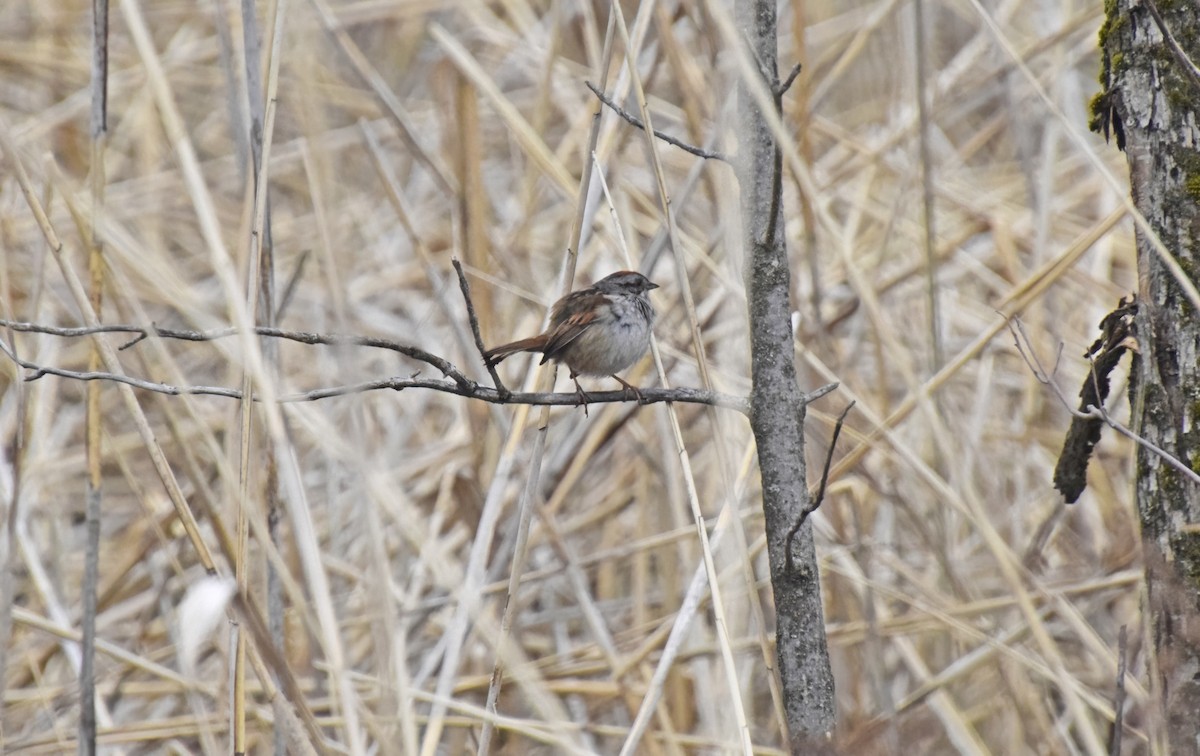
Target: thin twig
{"points": [[293, 282], [1092, 412], [635, 121], [474, 320], [817, 393], [302, 337], [158, 388], [815, 501], [470, 390], [782, 89]]}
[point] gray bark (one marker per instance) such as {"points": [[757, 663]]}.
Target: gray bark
{"points": [[777, 411], [1151, 103]]}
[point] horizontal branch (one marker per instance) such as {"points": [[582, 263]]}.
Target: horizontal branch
{"points": [[471, 390], [303, 337], [458, 385], [492, 396]]}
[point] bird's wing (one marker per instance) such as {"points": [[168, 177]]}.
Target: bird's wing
{"points": [[572, 316]]}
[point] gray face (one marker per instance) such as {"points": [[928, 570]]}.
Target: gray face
{"points": [[625, 280]]}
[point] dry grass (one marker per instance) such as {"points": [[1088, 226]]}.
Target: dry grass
{"points": [[967, 609]]}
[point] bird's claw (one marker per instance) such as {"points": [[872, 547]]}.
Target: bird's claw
{"points": [[582, 396], [631, 389]]}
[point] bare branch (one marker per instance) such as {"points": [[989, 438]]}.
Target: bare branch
{"points": [[782, 89], [635, 121], [474, 320], [817, 393], [289, 289], [302, 337], [815, 502], [461, 386], [470, 390], [158, 388]]}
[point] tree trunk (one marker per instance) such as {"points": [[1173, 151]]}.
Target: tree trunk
{"points": [[1150, 103], [777, 411]]}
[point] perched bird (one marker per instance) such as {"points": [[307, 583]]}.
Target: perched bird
{"points": [[600, 330]]}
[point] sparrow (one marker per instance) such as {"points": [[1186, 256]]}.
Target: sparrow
{"points": [[600, 330]]}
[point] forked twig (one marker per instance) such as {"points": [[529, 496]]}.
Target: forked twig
{"points": [[474, 320], [782, 89], [815, 502]]}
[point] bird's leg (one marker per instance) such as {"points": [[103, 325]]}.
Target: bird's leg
{"points": [[630, 387], [579, 392]]}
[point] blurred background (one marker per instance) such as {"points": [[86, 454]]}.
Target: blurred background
{"points": [[407, 133]]}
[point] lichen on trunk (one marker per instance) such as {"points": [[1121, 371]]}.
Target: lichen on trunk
{"points": [[1150, 98]]}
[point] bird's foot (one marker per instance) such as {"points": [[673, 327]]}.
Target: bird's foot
{"points": [[582, 396], [631, 389]]}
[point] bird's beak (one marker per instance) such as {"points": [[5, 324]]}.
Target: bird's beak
{"points": [[651, 286]]}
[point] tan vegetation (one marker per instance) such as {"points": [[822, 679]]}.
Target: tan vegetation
{"points": [[967, 608]]}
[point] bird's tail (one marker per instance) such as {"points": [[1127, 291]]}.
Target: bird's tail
{"points": [[495, 354]]}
